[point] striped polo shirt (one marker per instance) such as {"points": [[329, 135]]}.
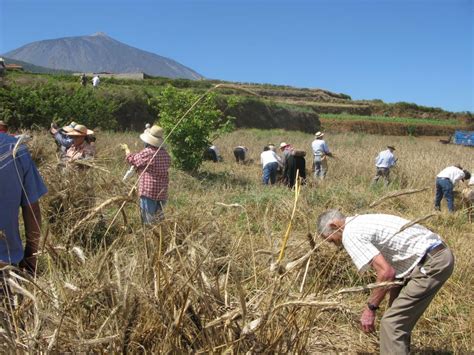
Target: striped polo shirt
{"points": [[366, 236]]}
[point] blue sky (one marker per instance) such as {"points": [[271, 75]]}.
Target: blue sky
{"points": [[396, 50]]}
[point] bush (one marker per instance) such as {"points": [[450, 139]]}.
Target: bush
{"points": [[39, 104], [191, 136]]}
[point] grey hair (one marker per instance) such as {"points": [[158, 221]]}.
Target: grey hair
{"points": [[325, 219]]}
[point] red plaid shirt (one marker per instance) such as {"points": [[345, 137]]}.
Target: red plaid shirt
{"points": [[154, 181]]}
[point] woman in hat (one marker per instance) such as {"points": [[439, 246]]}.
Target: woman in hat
{"points": [[80, 148], [63, 141], [152, 164]]}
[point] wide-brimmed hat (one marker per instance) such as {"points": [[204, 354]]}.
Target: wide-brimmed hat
{"points": [[153, 136], [319, 134], [79, 130], [283, 145], [391, 147], [3, 123], [69, 127]]}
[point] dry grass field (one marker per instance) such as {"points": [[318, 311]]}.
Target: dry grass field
{"points": [[202, 281]]}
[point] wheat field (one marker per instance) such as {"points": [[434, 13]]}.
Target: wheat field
{"points": [[204, 280]]}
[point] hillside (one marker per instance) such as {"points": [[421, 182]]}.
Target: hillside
{"points": [[129, 105], [31, 68], [98, 53]]}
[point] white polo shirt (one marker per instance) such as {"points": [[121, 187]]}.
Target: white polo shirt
{"points": [[366, 236], [269, 156], [452, 173]]}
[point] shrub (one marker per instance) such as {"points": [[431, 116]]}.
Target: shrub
{"points": [[191, 136], [41, 103]]}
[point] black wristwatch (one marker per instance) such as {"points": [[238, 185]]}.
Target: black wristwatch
{"points": [[372, 307]]}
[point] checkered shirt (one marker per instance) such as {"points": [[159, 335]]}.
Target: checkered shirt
{"points": [[366, 236], [154, 181]]}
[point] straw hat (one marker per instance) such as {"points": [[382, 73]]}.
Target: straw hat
{"points": [[3, 123], [153, 136], [319, 134], [80, 130], [70, 127], [283, 145]]}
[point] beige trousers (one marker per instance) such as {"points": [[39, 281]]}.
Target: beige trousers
{"points": [[423, 284]]}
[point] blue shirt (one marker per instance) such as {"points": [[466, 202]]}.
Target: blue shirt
{"points": [[319, 147], [20, 185], [385, 159], [63, 140]]}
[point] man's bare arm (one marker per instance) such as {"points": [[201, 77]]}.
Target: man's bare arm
{"points": [[32, 220], [385, 272]]}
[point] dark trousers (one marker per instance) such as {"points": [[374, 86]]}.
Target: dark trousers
{"points": [[239, 154], [211, 155], [444, 187]]}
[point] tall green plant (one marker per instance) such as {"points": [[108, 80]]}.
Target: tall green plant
{"points": [[194, 133]]}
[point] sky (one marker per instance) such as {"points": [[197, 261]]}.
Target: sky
{"points": [[418, 51]]}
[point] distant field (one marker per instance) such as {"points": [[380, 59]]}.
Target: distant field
{"points": [[405, 120]]}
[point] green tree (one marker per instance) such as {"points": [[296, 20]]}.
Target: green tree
{"points": [[192, 135]]}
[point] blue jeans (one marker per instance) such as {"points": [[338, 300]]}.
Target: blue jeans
{"points": [[444, 187], [270, 173], [151, 210]]}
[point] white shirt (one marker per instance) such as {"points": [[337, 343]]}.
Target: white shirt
{"points": [[95, 80], [385, 159], [452, 173], [367, 236], [319, 147], [471, 181], [214, 148], [269, 156]]}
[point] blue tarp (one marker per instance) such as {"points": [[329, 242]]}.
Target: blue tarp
{"points": [[464, 138]]}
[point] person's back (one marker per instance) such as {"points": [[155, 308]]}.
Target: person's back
{"points": [[95, 81], [385, 159], [20, 186]]}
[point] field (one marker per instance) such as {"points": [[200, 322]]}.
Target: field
{"points": [[202, 280], [404, 120]]}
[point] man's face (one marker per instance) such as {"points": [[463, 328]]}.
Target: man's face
{"points": [[335, 238], [78, 140]]}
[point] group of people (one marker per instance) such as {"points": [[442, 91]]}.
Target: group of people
{"points": [[95, 80], [395, 249], [291, 163]]}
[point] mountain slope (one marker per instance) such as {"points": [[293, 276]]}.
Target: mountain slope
{"points": [[99, 53], [28, 67]]}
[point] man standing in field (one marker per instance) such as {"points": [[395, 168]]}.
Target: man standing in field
{"points": [[152, 164], [96, 81], [445, 182], [394, 251], [21, 186], [384, 161], [320, 151]]}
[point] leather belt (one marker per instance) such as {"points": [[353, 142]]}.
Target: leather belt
{"points": [[433, 252]]}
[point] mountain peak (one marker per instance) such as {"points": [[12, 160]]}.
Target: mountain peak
{"points": [[98, 53], [101, 34]]}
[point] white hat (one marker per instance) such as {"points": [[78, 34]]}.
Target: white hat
{"points": [[283, 145], [319, 134], [153, 136]]}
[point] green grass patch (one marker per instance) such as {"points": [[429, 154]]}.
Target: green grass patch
{"points": [[405, 120]]}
